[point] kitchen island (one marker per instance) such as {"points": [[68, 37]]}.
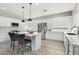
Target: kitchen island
{"points": [[35, 39]]}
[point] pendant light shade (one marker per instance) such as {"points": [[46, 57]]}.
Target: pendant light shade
{"points": [[30, 12], [23, 21], [29, 19]]}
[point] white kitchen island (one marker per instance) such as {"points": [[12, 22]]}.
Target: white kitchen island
{"points": [[35, 40]]}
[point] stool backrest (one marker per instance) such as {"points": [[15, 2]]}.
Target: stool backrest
{"points": [[12, 36], [20, 38]]}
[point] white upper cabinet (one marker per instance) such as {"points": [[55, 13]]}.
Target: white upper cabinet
{"points": [[6, 22], [76, 15]]}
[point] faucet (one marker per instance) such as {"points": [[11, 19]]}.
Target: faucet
{"points": [[75, 27]]}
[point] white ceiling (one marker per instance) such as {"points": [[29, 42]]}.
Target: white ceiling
{"points": [[15, 9]]}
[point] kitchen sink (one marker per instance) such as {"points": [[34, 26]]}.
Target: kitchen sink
{"points": [[71, 33]]}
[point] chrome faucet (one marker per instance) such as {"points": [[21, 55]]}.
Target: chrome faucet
{"points": [[75, 27]]}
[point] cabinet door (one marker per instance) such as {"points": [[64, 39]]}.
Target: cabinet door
{"points": [[70, 49], [66, 45], [48, 35], [60, 36]]}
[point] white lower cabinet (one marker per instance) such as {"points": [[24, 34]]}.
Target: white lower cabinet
{"points": [[76, 50], [68, 46], [73, 49], [55, 35], [70, 49], [48, 35]]}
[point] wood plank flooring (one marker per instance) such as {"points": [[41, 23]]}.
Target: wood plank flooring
{"points": [[49, 47]]}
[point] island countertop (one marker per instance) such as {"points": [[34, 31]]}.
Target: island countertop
{"points": [[73, 39], [28, 34]]}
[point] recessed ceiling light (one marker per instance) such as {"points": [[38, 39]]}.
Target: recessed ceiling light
{"points": [[36, 3], [3, 8]]}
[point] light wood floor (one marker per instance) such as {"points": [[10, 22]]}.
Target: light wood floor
{"points": [[49, 47]]}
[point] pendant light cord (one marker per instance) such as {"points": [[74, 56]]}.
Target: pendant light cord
{"points": [[23, 15], [23, 11], [30, 10]]}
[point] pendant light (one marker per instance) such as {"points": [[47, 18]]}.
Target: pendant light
{"points": [[23, 13], [30, 12]]}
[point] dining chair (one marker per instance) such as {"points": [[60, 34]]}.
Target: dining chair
{"points": [[22, 42], [13, 39]]}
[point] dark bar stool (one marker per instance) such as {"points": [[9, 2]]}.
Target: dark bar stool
{"points": [[13, 39], [22, 42]]}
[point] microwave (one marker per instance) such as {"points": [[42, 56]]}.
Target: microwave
{"points": [[15, 24]]}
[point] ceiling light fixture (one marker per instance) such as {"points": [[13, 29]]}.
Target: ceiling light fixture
{"points": [[30, 12], [3, 8], [36, 3]]}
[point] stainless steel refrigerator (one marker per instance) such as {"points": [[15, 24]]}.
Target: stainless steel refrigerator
{"points": [[42, 28]]}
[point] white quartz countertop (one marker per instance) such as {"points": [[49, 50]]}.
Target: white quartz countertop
{"points": [[28, 34], [58, 29], [74, 39]]}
